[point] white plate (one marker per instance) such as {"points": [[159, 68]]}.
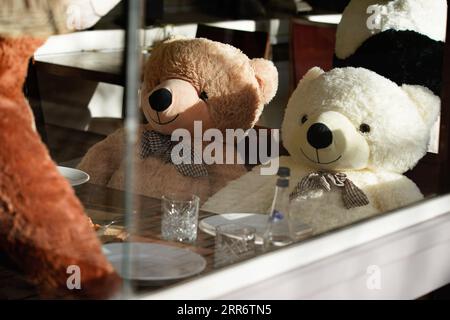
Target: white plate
{"points": [[255, 220], [154, 262], [74, 176]]}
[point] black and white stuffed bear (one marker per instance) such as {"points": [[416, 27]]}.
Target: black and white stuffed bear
{"points": [[402, 40]]}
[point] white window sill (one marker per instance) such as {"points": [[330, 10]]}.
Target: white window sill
{"points": [[410, 247]]}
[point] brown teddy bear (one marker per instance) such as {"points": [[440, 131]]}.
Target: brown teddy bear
{"points": [[187, 80], [43, 228]]}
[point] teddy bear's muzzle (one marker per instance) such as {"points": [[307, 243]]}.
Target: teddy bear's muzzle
{"points": [[329, 140]]}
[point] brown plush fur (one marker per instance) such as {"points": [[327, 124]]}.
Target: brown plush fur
{"points": [[237, 90], [155, 178], [43, 227]]}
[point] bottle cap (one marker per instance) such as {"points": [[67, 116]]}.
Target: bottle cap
{"points": [[284, 172], [283, 183]]}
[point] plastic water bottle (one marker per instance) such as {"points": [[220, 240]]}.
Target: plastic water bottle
{"points": [[278, 230]]}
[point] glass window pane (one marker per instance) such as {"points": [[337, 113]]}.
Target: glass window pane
{"points": [[161, 142]]}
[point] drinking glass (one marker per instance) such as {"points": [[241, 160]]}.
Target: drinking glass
{"points": [[179, 217], [234, 242]]}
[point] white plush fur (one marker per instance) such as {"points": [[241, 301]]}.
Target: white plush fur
{"points": [[348, 97], [427, 17]]}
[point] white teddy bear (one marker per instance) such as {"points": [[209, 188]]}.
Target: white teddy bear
{"points": [[351, 134]]}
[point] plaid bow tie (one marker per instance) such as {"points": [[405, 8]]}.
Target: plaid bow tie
{"points": [[159, 145], [352, 196]]}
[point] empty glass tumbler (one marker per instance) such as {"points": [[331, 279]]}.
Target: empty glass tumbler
{"points": [[234, 243], [179, 217]]}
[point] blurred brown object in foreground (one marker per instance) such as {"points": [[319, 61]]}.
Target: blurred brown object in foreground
{"points": [[43, 227]]}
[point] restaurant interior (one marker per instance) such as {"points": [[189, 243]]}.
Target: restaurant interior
{"points": [[239, 149]]}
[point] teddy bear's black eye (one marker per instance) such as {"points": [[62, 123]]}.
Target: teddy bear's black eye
{"points": [[204, 96], [304, 119], [364, 128]]}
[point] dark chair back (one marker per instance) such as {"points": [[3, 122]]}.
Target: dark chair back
{"points": [[254, 44], [312, 45]]}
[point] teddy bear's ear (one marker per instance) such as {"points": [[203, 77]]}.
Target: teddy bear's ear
{"points": [[428, 104], [267, 76], [312, 74]]}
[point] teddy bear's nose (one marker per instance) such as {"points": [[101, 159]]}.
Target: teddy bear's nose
{"points": [[160, 100], [319, 136]]}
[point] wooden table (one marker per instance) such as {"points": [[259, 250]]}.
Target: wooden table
{"points": [[104, 205]]}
